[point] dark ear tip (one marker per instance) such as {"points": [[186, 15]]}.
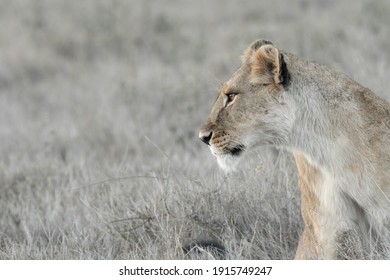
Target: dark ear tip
{"points": [[261, 42], [266, 42]]}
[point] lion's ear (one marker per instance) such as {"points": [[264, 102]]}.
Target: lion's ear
{"points": [[247, 55], [268, 66]]}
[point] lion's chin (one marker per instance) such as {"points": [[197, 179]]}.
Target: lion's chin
{"points": [[228, 163]]}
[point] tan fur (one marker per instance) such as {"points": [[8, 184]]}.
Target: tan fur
{"points": [[338, 131], [309, 176]]}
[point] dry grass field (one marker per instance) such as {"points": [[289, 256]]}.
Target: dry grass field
{"points": [[100, 107]]}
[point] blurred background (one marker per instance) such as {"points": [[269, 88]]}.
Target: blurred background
{"points": [[100, 106]]}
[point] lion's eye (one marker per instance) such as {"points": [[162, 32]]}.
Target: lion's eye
{"points": [[230, 97]]}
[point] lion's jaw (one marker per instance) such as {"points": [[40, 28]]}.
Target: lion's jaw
{"points": [[229, 159], [228, 163]]}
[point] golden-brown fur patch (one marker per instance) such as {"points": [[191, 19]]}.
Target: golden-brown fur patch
{"points": [[310, 178], [266, 66]]}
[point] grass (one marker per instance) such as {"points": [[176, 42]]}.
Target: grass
{"points": [[100, 106]]}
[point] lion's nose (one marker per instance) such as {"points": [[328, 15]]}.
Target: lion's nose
{"points": [[205, 136]]}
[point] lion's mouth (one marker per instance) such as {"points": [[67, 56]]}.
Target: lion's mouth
{"points": [[236, 150]]}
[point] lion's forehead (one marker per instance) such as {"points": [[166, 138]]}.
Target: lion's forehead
{"points": [[224, 88], [237, 80]]}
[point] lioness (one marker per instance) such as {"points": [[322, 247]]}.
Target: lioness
{"points": [[338, 132]]}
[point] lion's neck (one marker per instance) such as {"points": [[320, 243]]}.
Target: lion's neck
{"points": [[314, 135], [318, 130]]}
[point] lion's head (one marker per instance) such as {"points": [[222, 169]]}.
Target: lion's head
{"points": [[251, 107]]}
